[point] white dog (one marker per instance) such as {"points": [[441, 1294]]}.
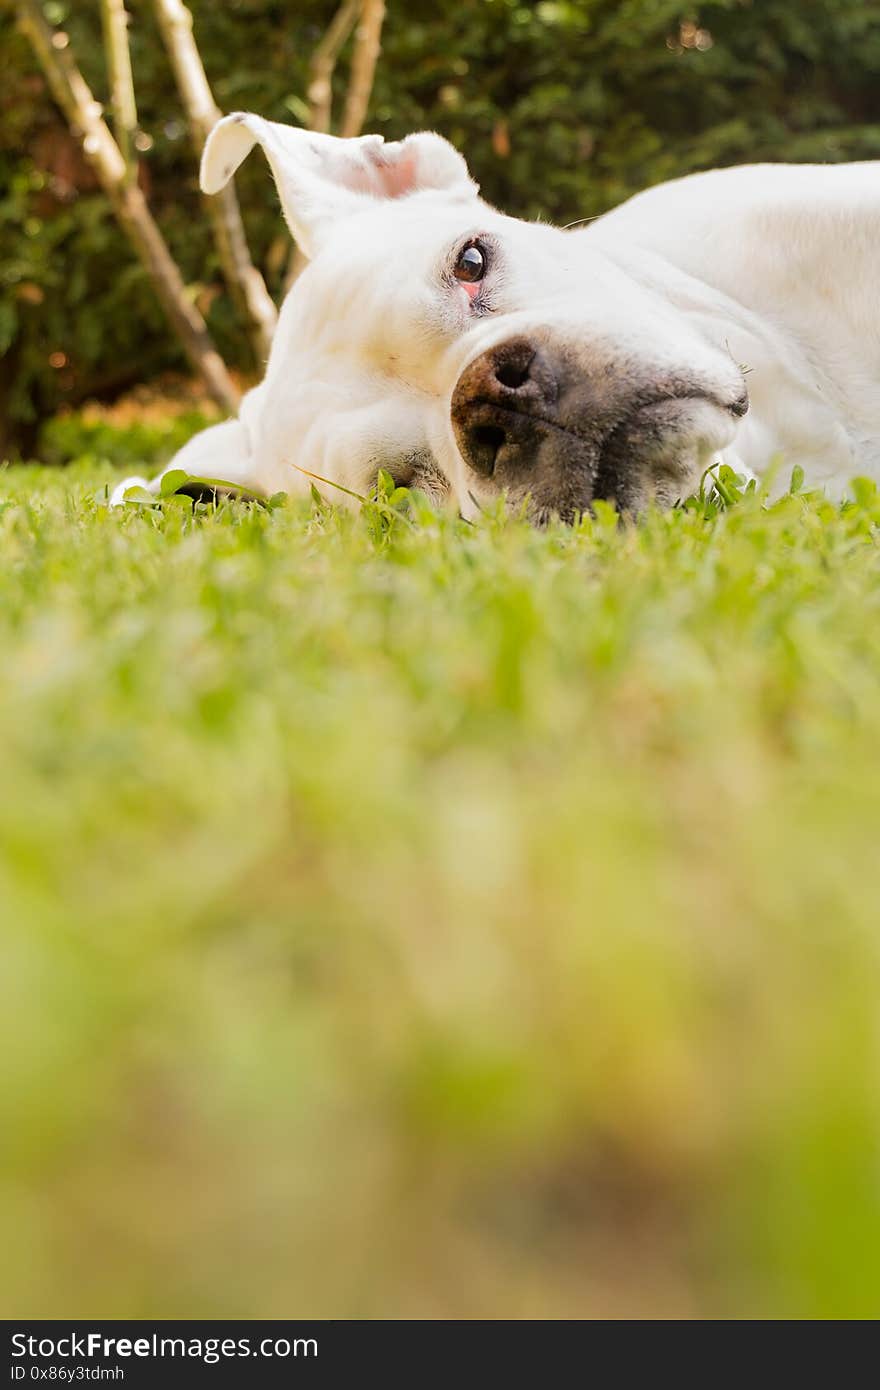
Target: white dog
{"points": [[469, 353]]}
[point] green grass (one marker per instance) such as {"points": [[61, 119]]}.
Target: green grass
{"points": [[407, 918]]}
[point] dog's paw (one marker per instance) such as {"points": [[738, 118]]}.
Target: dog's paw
{"points": [[117, 496]]}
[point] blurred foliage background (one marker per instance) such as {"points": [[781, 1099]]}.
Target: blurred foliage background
{"points": [[563, 108]]}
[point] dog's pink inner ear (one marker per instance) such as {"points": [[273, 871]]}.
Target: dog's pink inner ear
{"points": [[384, 171], [398, 177], [420, 161]]}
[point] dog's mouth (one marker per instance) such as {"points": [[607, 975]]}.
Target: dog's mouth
{"points": [[657, 417], [661, 448], [656, 450]]}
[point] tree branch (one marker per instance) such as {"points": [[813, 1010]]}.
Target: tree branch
{"points": [[115, 22], [83, 112], [367, 46], [323, 64], [245, 282], [320, 95]]}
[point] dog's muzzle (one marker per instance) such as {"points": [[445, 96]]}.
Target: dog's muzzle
{"points": [[529, 419]]}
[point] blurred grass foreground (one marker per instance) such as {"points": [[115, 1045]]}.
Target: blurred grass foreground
{"points": [[423, 920]]}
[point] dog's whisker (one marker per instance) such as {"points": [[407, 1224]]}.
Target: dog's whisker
{"points": [[316, 477]]}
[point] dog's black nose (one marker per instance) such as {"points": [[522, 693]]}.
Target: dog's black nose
{"points": [[498, 405]]}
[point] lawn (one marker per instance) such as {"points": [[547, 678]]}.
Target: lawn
{"points": [[407, 918]]}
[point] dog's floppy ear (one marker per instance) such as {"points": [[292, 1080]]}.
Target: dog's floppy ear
{"points": [[322, 177]]}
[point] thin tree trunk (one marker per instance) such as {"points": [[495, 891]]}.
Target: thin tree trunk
{"points": [[323, 64], [245, 282], [115, 21], [320, 94], [368, 44], [83, 113]]}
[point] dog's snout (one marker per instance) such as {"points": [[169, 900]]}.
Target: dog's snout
{"points": [[496, 401], [563, 427]]}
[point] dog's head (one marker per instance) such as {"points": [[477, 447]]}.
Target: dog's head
{"points": [[469, 353]]}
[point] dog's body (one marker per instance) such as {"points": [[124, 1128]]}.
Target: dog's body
{"points": [[470, 353]]}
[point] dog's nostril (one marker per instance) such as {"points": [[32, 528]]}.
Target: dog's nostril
{"points": [[485, 441], [514, 372], [489, 437]]}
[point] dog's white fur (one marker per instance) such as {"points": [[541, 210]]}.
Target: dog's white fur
{"points": [[765, 274]]}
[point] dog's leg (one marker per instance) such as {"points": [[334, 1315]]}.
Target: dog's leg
{"points": [[220, 455]]}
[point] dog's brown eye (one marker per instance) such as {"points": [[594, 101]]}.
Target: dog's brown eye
{"points": [[471, 265]]}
